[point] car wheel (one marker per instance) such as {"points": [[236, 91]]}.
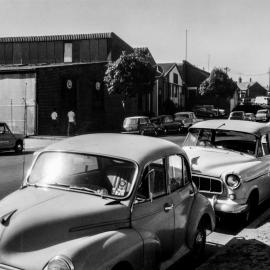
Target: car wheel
{"points": [[198, 248], [18, 147], [252, 203]]}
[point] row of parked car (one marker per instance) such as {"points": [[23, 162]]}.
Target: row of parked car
{"points": [[160, 125], [120, 201], [262, 115]]}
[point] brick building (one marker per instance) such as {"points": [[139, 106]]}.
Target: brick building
{"points": [[40, 73]]}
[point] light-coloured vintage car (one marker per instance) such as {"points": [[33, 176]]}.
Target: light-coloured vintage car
{"points": [[187, 118], [230, 162], [104, 201]]}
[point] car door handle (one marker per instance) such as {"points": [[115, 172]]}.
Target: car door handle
{"points": [[168, 207]]}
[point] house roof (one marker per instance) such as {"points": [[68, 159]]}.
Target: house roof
{"points": [[167, 67], [244, 85], [57, 37]]}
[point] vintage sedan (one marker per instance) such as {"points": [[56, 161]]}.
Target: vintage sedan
{"points": [[9, 140], [230, 162], [166, 124], [104, 201]]}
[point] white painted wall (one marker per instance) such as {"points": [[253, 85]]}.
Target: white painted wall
{"points": [[17, 92]]}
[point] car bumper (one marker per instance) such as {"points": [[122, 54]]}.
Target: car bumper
{"points": [[227, 206]]}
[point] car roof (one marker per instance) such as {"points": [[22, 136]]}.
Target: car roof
{"points": [[137, 148], [183, 112], [237, 125], [135, 117]]}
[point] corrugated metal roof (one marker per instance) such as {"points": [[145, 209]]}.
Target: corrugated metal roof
{"points": [[21, 68], [56, 37]]}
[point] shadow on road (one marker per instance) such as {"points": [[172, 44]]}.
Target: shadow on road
{"points": [[12, 153]]}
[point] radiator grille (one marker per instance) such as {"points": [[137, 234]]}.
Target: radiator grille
{"points": [[208, 185]]}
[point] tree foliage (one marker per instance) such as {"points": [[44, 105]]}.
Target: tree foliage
{"points": [[129, 75], [218, 84]]}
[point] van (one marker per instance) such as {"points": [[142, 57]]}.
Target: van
{"points": [[262, 100]]}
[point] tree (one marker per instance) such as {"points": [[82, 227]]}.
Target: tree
{"points": [[218, 84], [130, 75]]}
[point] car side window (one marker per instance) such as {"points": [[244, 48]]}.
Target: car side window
{"points": [[175, 172], [265, 145], [153, 181], [2, 129]]}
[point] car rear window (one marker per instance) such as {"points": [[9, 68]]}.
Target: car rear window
{"points": [[130, 121]]}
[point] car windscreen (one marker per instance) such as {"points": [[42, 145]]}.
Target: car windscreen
{"points": [[168, 119], [181, 116], [237, 114], [222, 139], [98, 174], [130, 122]]}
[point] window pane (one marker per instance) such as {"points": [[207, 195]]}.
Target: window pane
{"points": [[175, 172], [68, 53]]}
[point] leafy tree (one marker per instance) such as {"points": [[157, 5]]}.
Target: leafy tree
{"points": [[218, 83], [130, 75]]}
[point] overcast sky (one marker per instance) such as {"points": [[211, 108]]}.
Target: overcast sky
{"points": [[227, 33]]}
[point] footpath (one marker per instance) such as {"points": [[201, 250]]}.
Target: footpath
{"points": [[249, 249]]}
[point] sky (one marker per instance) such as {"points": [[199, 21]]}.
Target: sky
{"points": [[227, 33]]}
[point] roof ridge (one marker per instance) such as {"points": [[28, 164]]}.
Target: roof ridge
{"points": [[56, 37]]}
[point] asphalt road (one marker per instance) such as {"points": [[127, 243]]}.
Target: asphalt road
{"points": [[12, 168]]}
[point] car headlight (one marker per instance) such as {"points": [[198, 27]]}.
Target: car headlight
{"points": [[60, 263], [233, 181]]}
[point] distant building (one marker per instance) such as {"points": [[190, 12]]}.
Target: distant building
{"points": [[248, 91], [192, 77], [169, 88], [39, 73]]}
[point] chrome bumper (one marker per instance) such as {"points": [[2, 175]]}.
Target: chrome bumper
{"points": [[227, 206]]}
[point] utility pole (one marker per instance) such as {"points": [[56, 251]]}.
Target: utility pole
{"points": [[186, 43]]}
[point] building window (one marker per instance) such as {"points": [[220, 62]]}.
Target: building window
{"points": [[68, 53], [175, 78]]}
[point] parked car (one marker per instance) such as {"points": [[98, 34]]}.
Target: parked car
{"points": [[237, 115], [104, 201], [9, 140], [187, 118], [165, 124], [139, 125], [204, 113], [263, 115], [230, 164], [250, 117]]}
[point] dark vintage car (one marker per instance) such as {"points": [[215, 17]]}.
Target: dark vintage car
{"points": [[139, 125], [105, 202], [9, 140], [165, 124], [204, 113]]}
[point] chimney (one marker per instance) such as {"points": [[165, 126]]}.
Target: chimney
{"points": [[250, 80], [239, 79]]}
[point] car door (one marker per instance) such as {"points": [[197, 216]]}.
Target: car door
{"points": [[182, 194], [6, 137], [153, 214]]}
